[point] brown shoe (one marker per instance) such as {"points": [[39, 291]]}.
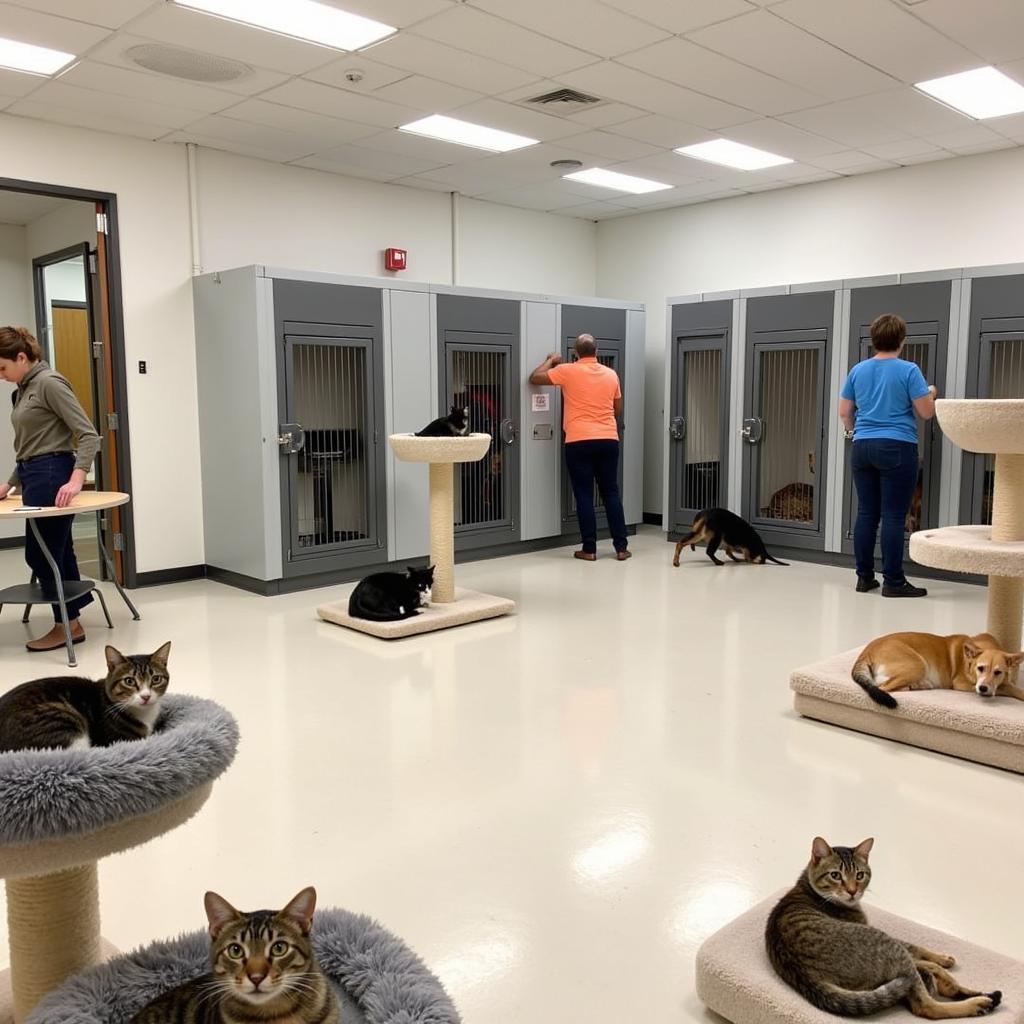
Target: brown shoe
{"points": [[54, 640], [586, 556], [621, 556]]}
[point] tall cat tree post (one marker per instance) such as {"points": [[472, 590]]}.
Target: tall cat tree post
{"points": [[448, 606], [988, 426]]}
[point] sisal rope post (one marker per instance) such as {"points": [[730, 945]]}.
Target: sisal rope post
{"points": [[442, 532], [1005, 593], [53, 924]]}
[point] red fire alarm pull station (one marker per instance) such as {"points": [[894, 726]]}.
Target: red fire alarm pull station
{"points": [[394, 259]]}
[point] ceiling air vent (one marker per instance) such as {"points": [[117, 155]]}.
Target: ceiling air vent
{"points": [[564, 101], [188, 64]]}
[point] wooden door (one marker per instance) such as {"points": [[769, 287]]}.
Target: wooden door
{"points": [[71, 353]]}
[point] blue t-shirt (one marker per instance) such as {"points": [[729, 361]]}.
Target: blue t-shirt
{"points": [[883, 391]]}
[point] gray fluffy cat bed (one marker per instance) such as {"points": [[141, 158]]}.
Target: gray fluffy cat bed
{"points": [[380, 980]]}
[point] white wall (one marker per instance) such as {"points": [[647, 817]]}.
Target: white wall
{"points": [[70, 224], [961, 212]]}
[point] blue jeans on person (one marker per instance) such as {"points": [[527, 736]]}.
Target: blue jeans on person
{"points": [[40, 479], [598, 460], [885, 475]]}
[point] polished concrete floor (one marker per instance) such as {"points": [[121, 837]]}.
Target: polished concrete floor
{"points": [[556, 808]]}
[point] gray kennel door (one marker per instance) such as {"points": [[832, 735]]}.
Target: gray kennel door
{"points": [[608, 326], [331, 409], [785, 406], [698, 410], [479, 360], [925, 307], [995, 369]]}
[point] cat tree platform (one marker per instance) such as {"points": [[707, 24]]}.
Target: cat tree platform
{"points": [[995, 427], [378, 979], [448, 606], [63, 810], [736, 979]]}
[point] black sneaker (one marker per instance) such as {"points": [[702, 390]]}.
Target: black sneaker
{"points": [[863, 585], [905, 589]]}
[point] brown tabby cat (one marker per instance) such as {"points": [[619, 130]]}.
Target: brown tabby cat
{"points": [[72, 711], [264, 970], [820, 943]]}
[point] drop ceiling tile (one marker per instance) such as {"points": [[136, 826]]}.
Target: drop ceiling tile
{"points": [[927, 158], [6, 101], [110, 13], [400, 13], [898, 151], [441, 153], [368, 163], [627, 85], [881, 33], [971, 134], [1011, 127], [662, 131], [993, 29], [512, 118], [148, 86], [253, 139], [677, 16], [144, 112], [47, 30], [606, 114], [100, 121], [795, 171], [591, 26], [991, 147], [870, 167], [847, 122], [114, 52], [844, 160], [668, 168], [611, 147], [446, 64], [169, 23], [783, 139], [593, 211], [275, 154], [420, 182], [684, 63], [426, 93], [476, 32], [331, 131], [351, 106], [595, 116], [551, 195], [14, 83], [777, 48], [374, 75]]}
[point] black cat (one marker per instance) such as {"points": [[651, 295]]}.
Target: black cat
{"points": [[455, 424], [390, 596], [720, 526]]}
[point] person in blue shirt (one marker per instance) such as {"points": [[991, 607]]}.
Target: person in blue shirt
{"points": [[878, 404]]}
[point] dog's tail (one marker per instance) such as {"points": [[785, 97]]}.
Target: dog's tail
{"points": [[772, 558], [865, 678]]}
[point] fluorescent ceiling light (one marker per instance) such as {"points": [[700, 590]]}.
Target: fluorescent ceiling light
{"points": [[981, 93], [35, 60], [733, 154], [620, 182], [301, 19], [465, 133]]}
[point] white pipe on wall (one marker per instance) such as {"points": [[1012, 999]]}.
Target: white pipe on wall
{"points": [[456, 228], [193, 206]]}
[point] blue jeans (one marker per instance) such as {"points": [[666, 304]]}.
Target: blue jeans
{"points": [[40, 478], [885, 475], [598, 460]]}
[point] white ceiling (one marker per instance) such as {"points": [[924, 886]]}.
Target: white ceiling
{"points": [[826, 82]]}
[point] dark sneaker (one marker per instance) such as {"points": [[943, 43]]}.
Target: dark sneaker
{"points": [[905, 589], [863, 585]]}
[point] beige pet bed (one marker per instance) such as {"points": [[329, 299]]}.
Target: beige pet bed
{"points": [[986, 730], [735, 979]]}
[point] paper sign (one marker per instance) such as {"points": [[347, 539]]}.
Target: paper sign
{"points": [[541, 403]]}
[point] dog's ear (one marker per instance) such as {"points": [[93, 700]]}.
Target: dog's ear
{"points": [[971, 650], [1013, 660]]}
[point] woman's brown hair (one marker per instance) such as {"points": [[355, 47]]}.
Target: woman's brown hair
{"points": [[888, 332], [15, 340]]}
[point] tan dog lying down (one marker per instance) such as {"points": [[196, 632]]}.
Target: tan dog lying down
{"points": [[924, 661]]}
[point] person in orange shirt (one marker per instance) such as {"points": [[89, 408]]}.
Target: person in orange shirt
{"points": [[592, 412]]}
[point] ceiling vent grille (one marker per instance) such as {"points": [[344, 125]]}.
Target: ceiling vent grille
{"points": [[564, 101], [178, 62]]}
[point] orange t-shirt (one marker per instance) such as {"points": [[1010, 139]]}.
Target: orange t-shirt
{"points": [[588, 389]]}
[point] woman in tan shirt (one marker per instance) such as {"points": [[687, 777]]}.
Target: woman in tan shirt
{"points": [[55, 444]]}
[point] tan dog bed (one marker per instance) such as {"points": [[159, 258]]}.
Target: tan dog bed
{"points": [[736, 980], [986, 730]]}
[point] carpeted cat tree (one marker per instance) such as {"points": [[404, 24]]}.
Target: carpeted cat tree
{"points": [[62, 810], [448, 606], [986, 730]]}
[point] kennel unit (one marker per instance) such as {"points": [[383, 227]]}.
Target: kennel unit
{"points": [[302, 376]]}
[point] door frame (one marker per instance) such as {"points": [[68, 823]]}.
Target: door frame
{"points": [[110, 328]]}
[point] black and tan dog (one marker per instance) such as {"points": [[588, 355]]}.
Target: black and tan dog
{"points": [[719, 526]]}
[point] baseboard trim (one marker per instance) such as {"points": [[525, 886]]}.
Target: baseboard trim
{"points": [[653, 519], [176, 575]]}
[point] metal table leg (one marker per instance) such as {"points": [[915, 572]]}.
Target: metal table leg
{"points": [[113, 576], [72, 661]]}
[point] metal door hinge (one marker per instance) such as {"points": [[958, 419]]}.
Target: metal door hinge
{"points": [[112, 421], [92, 263], [97, 350], [119, 542], [101, 223]]}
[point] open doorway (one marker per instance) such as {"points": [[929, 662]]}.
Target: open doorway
{"points": [[59, 276]]}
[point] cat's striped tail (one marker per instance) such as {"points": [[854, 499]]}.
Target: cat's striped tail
{"points": [[851, 1003], [865, 678]]}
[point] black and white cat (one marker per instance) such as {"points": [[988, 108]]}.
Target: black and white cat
{"points": [[455, 424], [390, 596]]}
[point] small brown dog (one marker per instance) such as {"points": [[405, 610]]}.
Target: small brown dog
{"points": [[924, 661]]}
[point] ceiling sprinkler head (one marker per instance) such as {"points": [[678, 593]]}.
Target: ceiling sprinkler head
{"points": [[354, 76], [566, 165]]}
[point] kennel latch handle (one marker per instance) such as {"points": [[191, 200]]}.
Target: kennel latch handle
{"points": [[507, 431], [677, 428], [752, 430], [291, 437]]}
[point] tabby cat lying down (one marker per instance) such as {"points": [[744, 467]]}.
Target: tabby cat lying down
{"points": [[820, 943]]}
